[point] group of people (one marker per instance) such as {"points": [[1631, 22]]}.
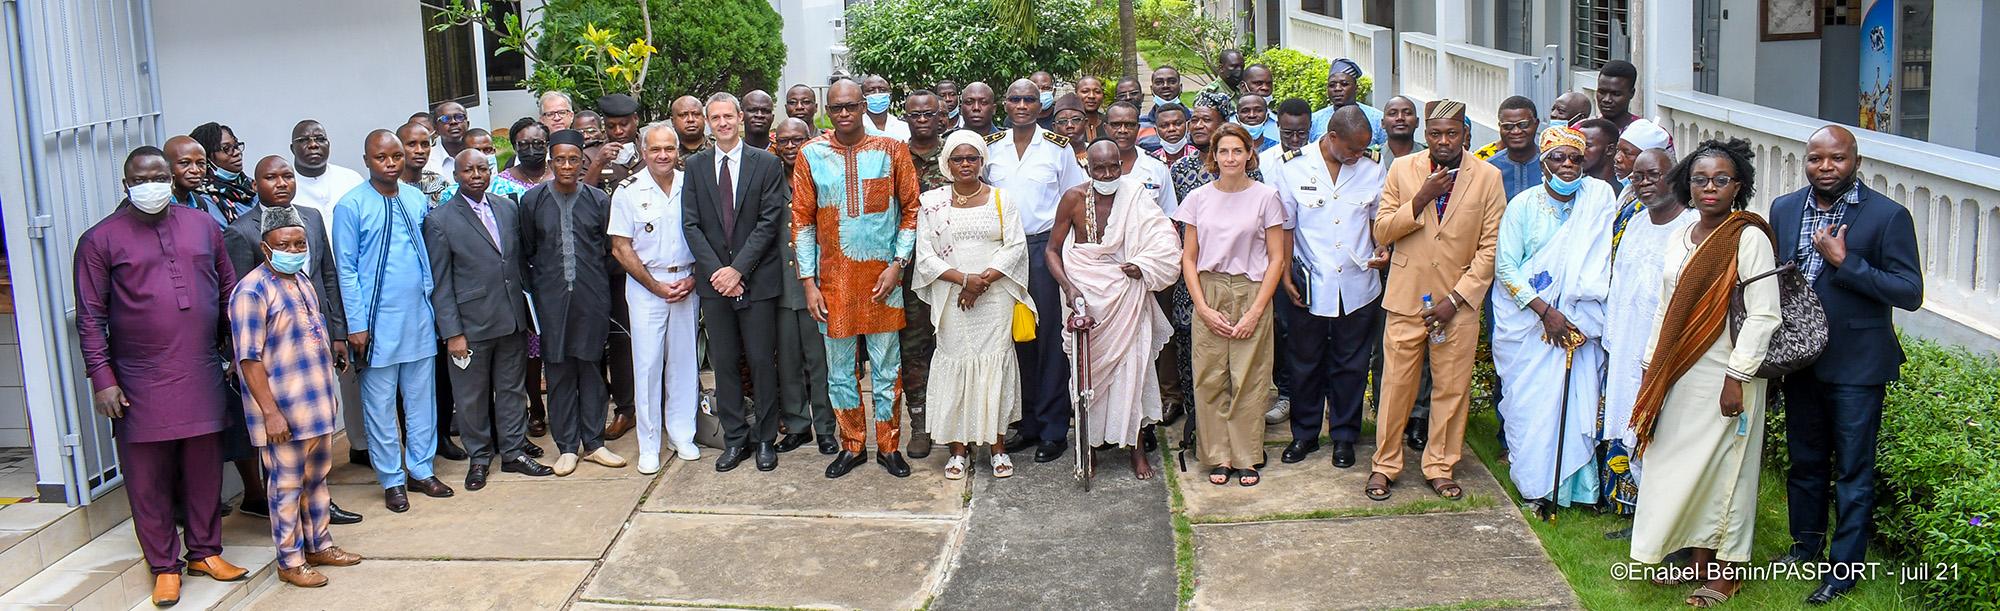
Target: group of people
{"points": [[1248, 259]]}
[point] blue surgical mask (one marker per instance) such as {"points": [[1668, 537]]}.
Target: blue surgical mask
{"points": [[1557, 123], [1624, 183], [1160, 101], [1257, 131], [878, 103], [1565, 188], [226, 175], [285, 262], [954, 112], [1174, 147], [1048, 100]]}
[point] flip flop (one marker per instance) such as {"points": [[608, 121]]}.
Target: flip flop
{"points": [[1705, 597], [1222, 471]]}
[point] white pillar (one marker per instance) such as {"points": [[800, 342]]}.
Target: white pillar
{"points": [[1961, 60], [1663, 50], [1452, 27]]}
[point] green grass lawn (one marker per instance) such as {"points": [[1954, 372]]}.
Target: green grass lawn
{"points": [[1158, 55], [1576, 542]]}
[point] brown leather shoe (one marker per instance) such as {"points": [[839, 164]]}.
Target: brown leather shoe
{"points": [[333, 556], [166, 589], [218, 569], [620, 425], [302, 576]]}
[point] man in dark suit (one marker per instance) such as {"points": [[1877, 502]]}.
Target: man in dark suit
{"points": [[475, 253], [276, 185], [568, 255], [1858, 248], [734, 200]]}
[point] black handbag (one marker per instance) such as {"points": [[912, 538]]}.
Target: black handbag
{"points": [[1801, 333]]}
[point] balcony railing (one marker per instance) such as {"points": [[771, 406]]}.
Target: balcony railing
{"points": [[1953, 195], [1371, 47], [1417, 55]]}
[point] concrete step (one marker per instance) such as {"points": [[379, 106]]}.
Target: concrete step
{"points": [[34, 536], [109, 572]]}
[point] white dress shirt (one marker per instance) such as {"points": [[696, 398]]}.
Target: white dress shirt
{"points": [[1332, 236], [1156, 178], [893, 128], [1035, 178], [732, 158], [652, 219], [324, 191]]}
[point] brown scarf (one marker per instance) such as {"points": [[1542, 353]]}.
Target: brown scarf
{"points": [[1694, 319]]}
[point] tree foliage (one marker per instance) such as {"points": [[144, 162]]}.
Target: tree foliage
{"points": [[1186, 27], [914, 43]]}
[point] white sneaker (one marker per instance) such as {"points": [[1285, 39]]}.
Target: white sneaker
{"points": [[689, 452], [604, 456], [1281, 410], [649, 463], [566, 464]]}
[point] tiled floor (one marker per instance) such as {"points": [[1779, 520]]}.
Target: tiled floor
{"points": [[17, 476]]}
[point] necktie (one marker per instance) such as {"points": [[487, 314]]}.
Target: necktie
{"points": [[727, 191], [486, 218]]}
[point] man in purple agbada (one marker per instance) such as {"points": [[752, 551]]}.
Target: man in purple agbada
{"points": [[152, 283]]}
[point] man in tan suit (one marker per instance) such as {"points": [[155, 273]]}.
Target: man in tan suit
{"points": [[1441, 216]]}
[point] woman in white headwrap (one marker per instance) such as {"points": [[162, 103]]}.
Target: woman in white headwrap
{"points": [[972, 268]]}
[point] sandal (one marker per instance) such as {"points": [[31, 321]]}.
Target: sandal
{"points": [[1247, 478], [1220, 476], [1706, 597], [1378, 487], [954, 469], [1003, 466], [1445, 487]]}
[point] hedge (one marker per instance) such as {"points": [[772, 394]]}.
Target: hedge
{"points": [[1302, 75], [1937, 466]]}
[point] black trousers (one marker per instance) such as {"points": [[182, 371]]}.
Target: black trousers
{"points": [[802, 374], [1045, 408], [1831, 428], [738, 330], [618, 347], [576, 403], [1329, 368]]}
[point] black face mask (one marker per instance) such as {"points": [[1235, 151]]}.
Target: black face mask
{"points": [[533, 157]]}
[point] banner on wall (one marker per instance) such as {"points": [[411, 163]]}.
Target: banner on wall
{"points": [[1878, 65]]}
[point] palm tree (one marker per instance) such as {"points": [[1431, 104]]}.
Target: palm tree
{"points": [[1018, 15], [1128, 39]]}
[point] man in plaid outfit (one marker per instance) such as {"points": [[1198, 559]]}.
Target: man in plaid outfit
{"points": [[286, 362]]}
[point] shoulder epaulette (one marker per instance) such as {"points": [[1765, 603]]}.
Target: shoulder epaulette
{"points": [[1375, 154], [1059, 139], [629, 181], [995, 137], [1291, 154]]}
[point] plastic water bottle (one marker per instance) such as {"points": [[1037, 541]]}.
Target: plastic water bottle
{"points": [[1437, 330]]}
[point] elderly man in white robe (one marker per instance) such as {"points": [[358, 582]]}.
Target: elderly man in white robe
{"points": [[1110, 249], [1553, 278]]}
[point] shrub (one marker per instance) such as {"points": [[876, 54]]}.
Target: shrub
{"points": [[915, 43], [1938, 468], [704, 46], [1302, 75]]}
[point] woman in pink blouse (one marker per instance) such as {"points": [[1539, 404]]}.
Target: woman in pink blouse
{"points": [[1236, 253]]}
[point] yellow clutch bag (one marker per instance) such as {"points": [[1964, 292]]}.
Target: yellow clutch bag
{"points": [[1024, 318]]}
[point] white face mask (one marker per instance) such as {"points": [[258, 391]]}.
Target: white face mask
{"points": [[1174, 148], [151, 197], [1104, 187]]}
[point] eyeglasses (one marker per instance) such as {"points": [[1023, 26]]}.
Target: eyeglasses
{"points": [[1122, 124], [553, 114], [833, 108], [233, 148], [1702, 182], [1067, 122], [1562, 158], [926, 114], [792, 141], [309, 140], [451, 119], [567, 160], [964, 159], [1517, 126], [1023, 99], [531, 144]]}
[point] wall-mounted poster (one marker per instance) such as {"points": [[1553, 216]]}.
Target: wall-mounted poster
{"points": [[1878, 61], [1788, 20]]}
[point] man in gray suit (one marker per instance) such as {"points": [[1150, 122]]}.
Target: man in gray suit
{"points": [[732, 206], [482, 315], [275, 185]]}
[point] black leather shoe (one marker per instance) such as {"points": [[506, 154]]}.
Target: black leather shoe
{"points": [[1017, 442], [526, 465], [767, 456], [1173, 414], [793, 441], [828, 446], [920, 445], [843, 463], [1794, 556], [1299, 450], [431, 487], [1417, 433], [1826, 594], [396, 499], [893, 462], [532, 450], [1050, 450], [450, 451], [1343, 454], [475, 476], [359, 457], [336, 515], [1149, 439], [731, 456]]}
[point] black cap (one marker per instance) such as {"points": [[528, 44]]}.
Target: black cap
{"points": [[617, 105], [568, 136]]}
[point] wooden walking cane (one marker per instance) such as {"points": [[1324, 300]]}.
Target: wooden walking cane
{"points": [[1086, 459], [1547, 507]]}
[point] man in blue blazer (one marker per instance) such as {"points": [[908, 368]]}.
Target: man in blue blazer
{"points": [[1858, 248]]}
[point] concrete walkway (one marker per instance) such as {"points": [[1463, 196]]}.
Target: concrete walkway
{"points": [[692, 538]]}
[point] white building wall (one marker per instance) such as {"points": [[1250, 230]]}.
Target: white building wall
{"points": [[1966, 41], [809, 37], [259, 67]]}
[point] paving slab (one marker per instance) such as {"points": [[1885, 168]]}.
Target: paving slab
{"points": [[569, 519], [1315, 485], [715, 560], [400, 585], [1037, 540], [452, 472], [1487, 557], [799, 487]]}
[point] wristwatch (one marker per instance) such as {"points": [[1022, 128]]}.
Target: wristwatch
{"points": [[901, 262]]}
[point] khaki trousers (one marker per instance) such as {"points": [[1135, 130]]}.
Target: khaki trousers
{"points": [[1232, 377], [1405, 342]]}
